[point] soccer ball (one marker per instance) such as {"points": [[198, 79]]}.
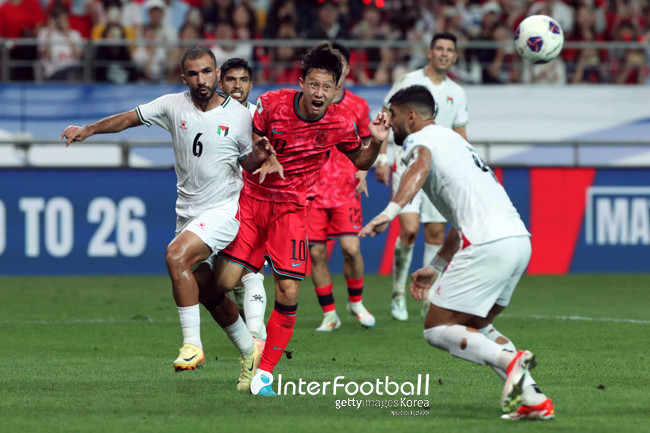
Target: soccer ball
{"points": [[539, 39]]}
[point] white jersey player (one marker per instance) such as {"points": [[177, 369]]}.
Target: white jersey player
{"points": [[488, 241], [212, 138], [451, 113], [236, 80]]}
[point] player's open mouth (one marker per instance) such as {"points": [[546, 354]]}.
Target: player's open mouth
{"points": [[317, 104], [237, 94]]}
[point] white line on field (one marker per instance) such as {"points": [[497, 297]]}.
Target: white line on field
{"points": [[175, 319], [578, 318]]}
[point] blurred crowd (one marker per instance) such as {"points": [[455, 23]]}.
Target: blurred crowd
{"points": [[144, 40]]}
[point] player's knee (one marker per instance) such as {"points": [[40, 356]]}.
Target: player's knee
{"points": [[408, 237], [351, 253], [318, 254], [173, 257]]}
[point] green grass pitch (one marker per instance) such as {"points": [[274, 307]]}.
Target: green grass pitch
{"points": [[94, 354]]}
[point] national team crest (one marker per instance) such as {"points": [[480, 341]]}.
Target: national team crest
{"points": [[321, 138], [222, 130], [450, 100]]}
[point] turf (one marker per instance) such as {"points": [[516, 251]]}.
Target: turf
{"points": [[93, 354]]}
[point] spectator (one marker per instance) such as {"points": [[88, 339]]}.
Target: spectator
{"points": [[328, 23], [389, 69], [163, 31], [225, 50], [628, 65], [82, 14], [282, 12], [113, 15], [216, 12], [128, 14], [244, 22], [194, 18], [60, 48], [558, 10], [586, 65], [284, 63], [21, 19], [113, 63], [186, 39], [151, 57], [553, 72], [492, 60]]}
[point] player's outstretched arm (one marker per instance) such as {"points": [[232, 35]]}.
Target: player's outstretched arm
{"points": [[366, 156], [262, 149], [115, 123], [412, 180]]}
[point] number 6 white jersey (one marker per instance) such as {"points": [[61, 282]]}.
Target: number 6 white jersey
{"points": [[207, 149], [463, 188]]}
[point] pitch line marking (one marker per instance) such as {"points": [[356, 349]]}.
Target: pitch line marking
{"points": [[578, 318], [172, 320]]}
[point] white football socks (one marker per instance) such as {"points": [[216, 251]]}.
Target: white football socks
{"points": [[491, 333], [190, 318], [462, 343], [255, 304], [402, 257], [239, 335]]}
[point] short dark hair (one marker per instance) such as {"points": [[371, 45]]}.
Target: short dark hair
{"points": [[236, 63], [342, 49], [196, 52], [443, 35], [416, 97], [322, 56]]}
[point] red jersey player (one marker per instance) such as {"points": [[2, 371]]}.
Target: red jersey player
{"points": [[304, 128], [336, 214]]}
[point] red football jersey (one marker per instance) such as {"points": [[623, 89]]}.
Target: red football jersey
{"points": [[302, 145], [337, 181]]}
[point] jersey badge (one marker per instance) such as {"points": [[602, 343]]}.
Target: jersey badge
{"points": [[321, 138], [450, 100], [222, 130], [183, 124]]}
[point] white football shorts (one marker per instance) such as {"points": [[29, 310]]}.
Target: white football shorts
{"points": [[480, 276], [216, 227]]}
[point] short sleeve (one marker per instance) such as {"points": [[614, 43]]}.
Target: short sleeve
{"points": [[244, 137], [260, 118], [349, 141], [156, 112], [364, 120]]}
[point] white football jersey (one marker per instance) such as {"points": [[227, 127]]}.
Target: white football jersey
{"points": [[450, 97], [207, 149], [251, 108], [463, 188]]}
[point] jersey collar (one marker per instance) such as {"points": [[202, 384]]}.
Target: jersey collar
{"points": [[296, 100]]}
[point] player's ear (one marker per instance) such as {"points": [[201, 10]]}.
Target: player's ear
{"points": [[183, 79]]}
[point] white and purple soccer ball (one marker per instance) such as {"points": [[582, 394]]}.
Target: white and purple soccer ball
{"points": [[539, 39]]}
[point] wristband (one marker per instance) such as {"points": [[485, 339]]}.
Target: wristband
{"points": [[382, 159], [392, 210], [438, 263]]}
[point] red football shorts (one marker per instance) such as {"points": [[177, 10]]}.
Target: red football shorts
{"points": [[344, 220], [277, 231]]}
